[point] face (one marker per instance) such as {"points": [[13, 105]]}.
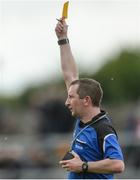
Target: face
{"points": [[73, 102]]}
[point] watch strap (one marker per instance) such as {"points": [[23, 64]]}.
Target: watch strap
{"points": [[84, 167], [63, 41]]}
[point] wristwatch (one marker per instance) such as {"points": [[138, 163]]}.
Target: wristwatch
{"points": [[63, 41], [85, 167]]}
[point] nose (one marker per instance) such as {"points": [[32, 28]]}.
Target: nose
{"points": [[67, 102]]}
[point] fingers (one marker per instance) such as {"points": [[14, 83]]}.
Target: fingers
{"points": [[63, 21], [63, 162], [61, 24], [64, 165], [59, 27]]}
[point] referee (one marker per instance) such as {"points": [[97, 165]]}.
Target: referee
{"points": [[95, 150]]}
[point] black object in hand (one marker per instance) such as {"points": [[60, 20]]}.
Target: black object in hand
{"points": [[68, 156]]}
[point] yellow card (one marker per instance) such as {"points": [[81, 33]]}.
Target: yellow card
{"points": [[65, 10]]}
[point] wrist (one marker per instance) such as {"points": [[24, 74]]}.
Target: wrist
{"points": [[85, 167], [62, 37], [63, 41]]}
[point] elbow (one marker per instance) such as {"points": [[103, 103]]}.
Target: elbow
{"points": [[120, 167]]}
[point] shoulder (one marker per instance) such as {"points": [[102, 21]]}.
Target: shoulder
{"points": [[104, 127]]}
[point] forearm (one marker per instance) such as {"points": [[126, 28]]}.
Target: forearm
{"points": [[68, 65], [106, 166]]}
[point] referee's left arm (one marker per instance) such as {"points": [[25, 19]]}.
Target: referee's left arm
{"points": [[106, 166]]}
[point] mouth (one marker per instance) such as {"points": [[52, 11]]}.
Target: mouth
{"points": [[70, 109]]}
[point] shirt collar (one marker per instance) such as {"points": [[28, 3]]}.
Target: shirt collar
{"points": [[81, 124]]}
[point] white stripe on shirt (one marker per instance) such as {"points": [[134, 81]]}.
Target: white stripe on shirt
{"points": [[105, 139]]}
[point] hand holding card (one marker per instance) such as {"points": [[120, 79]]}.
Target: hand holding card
{"points": [[68, 156]]}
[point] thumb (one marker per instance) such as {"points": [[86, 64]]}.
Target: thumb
{"points": [[63, 21], [75, 154]]}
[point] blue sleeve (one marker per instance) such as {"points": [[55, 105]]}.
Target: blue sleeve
{"points": [[112, 148]]}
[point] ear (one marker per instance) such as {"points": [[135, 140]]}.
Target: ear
{"points": [[87, 100]]}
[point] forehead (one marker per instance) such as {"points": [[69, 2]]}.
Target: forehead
{"points": [[73, 89]]}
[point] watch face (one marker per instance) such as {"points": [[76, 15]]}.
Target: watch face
{"points": [[85, 167]]}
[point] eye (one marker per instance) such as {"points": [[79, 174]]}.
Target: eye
{"points": [[70, 96]]}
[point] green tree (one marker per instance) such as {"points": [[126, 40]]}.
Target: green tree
{"points": [[120, 77]]}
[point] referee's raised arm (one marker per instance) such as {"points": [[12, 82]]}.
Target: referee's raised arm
{"points": [[68, 64]]}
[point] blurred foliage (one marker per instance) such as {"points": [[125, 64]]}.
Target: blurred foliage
{"points": [[119, 78]]}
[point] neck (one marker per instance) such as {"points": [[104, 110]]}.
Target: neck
{"points": [[92, 112]]}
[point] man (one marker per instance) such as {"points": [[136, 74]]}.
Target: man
{"points": [[95, 148]]}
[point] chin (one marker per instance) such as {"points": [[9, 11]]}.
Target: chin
{"points": [[74, 115]]}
